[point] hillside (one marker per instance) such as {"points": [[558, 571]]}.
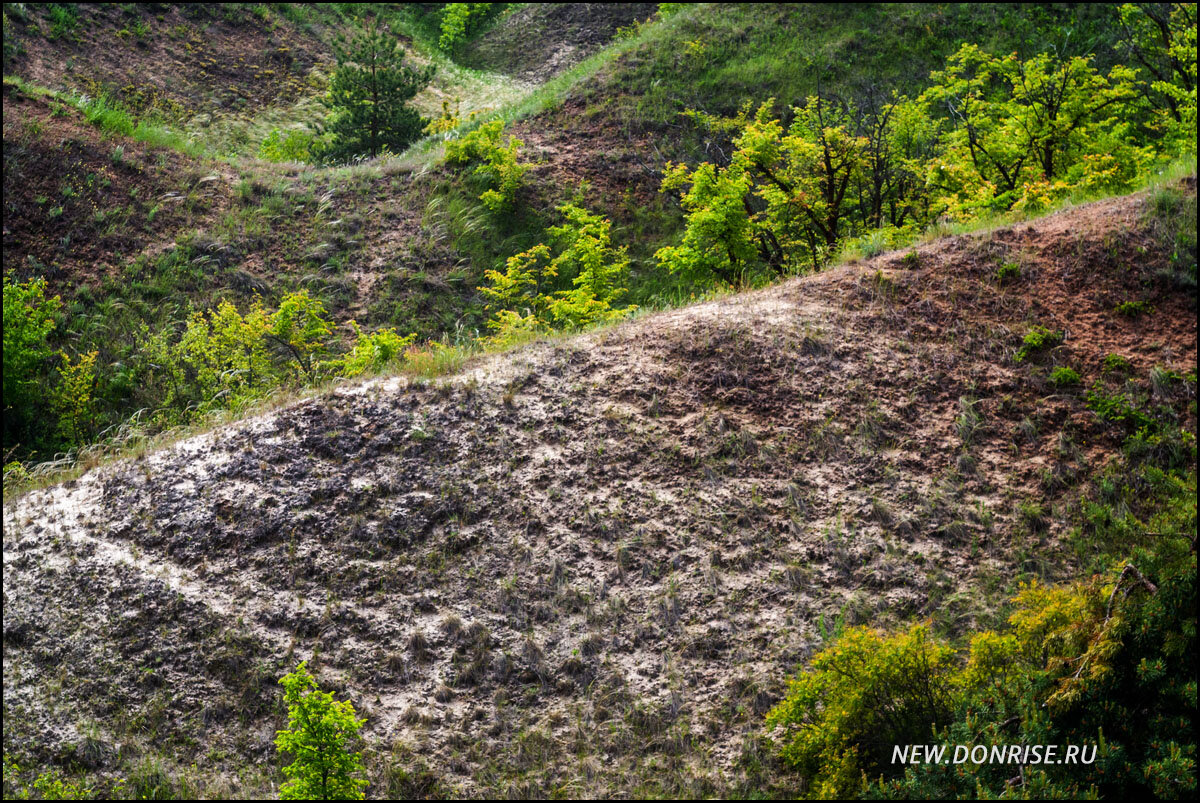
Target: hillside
{"points": [[587, 565], [600, 400]]}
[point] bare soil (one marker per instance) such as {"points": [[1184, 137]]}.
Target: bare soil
{"points": [[78, 205], [190, 59]]}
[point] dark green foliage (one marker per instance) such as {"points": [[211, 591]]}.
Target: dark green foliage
{"points": [[1107, 663], [369, 95]]}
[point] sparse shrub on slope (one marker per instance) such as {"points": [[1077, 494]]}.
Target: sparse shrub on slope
{"points": [[524, 298], [289, 146]]}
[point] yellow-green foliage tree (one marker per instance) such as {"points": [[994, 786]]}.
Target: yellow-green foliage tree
{"points": [[497, 162], [523, 297], [224, 355], [993, 133], [784, 200], [1024, 133], [1160, 40], [320, 735], [74, 399], [864, 693], [28, 322]]}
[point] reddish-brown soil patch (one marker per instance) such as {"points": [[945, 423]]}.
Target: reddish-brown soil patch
{"points": [[189, 58], [77, 205]]}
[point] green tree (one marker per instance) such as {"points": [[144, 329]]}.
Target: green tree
{"points": [[319, 736], [28, 322], [369, 95], [460, 20], [523, 296], [1160, 38], [1023, 132], [74, 398]]}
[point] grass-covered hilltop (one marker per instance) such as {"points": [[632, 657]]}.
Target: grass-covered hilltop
{"points": [[599, 400]]}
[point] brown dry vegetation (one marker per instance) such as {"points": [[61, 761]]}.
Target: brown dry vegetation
{"points": [[585, 567]]}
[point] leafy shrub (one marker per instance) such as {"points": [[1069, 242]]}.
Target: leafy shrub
{"points": [[1115, 363], [300, 327], [1134, 309], [498, 163], [74, 398], [64, 21], [292, 146], [1108, 663], [523, 296], [1073, 666], [28, 321], [863, 693], [223, 357], [460, 20], [320, 734], [371, 352], [1116, 409]]}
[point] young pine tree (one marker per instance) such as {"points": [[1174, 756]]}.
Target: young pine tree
{"points": [[319, 735], [369, 95]]}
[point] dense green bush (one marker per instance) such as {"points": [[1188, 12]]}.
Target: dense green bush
{"points": [[524, 297], [460, 20], [29, 318], [290, 146]]}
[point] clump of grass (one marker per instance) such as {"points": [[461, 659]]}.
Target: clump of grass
{"points": [[1008, 271], [1134, 309], [1063, 376], [1038, 340], [1115, 363]]}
